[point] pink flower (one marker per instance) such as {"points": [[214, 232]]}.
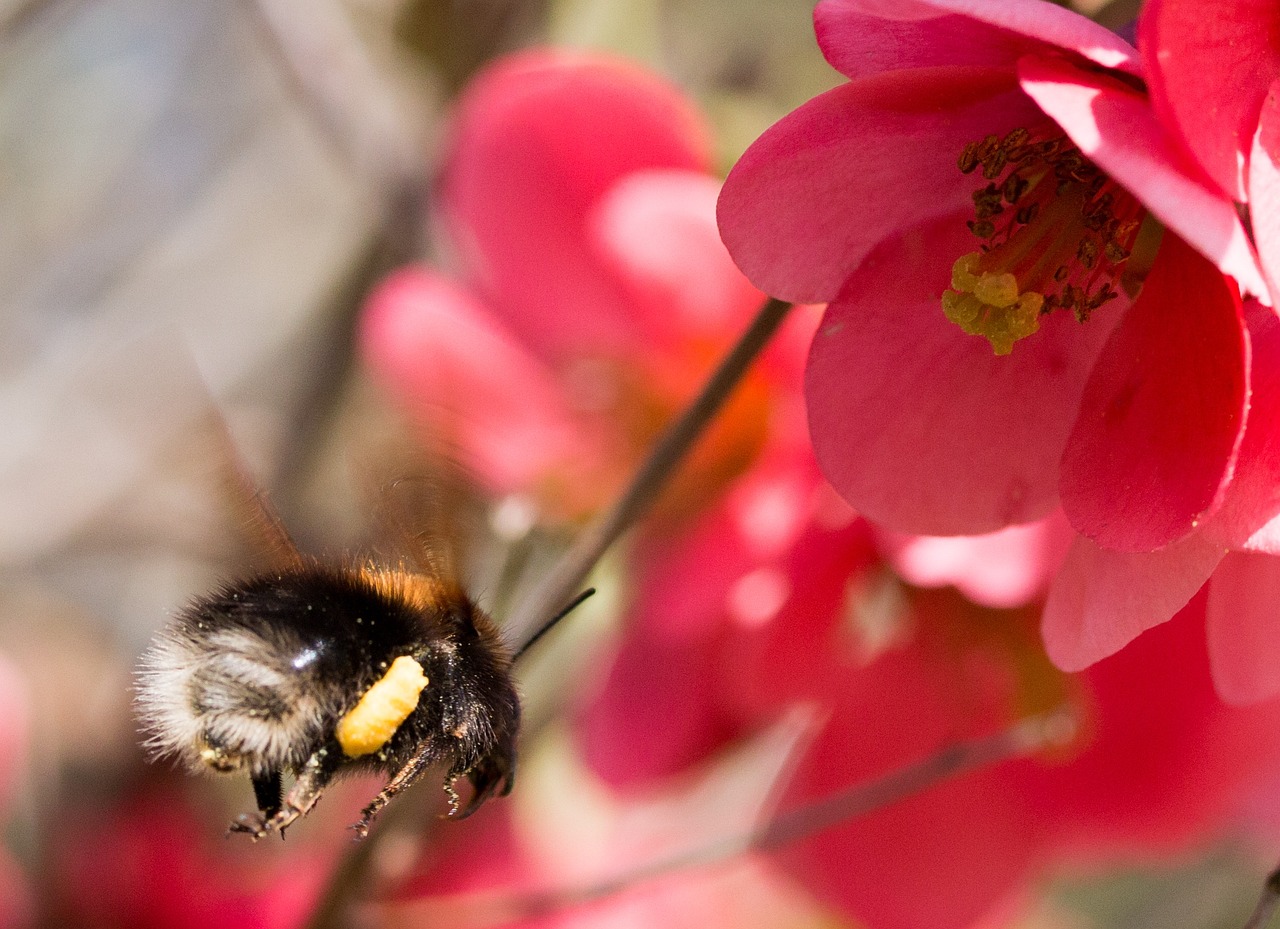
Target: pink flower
{"points": [[986, 163], [661, 710], [148, 849], [732, 631], [536, 141], [1231, 58], [1101, 599], [154, 860], [1159, 765], [1148, 417], [17, 908], [1007, 568], [589, 294]]}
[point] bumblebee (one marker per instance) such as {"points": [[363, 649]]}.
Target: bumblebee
{"points": [[314, 671]]}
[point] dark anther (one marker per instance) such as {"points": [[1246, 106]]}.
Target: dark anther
{"points": [[1014, 187], [1087, 253]]}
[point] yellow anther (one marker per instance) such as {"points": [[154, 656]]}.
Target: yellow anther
{"points": [[989, 305]]}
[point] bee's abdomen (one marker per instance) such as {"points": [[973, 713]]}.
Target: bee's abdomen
{"points": [[228, 700], [257, 675]]}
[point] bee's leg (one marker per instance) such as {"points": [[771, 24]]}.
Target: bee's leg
{"points": [[409, 773], [492, 776], [312, 780], [267, 791]]}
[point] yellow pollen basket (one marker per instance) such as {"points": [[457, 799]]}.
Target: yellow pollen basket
{"points": [[989, 304], [374, 720]]}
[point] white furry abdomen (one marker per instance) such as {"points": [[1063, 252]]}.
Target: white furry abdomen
{"points": [[229, 700]]}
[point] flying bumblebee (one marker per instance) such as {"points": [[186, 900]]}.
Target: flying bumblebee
{"points": [[317, 670]]}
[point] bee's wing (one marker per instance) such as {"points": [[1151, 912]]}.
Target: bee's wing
{"points": [[422, 515], [254, 514]]}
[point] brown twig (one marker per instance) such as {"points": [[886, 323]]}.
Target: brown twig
{"points": [[493, 909], [1267, 903], [567, 577], [565, 581]]}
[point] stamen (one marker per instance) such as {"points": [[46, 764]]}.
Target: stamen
{"points": [[1055, 234]]}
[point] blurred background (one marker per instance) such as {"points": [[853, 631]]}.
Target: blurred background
{"points": [[195, 198]]}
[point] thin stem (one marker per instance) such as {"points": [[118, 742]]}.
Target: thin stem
{"points": [[565, 581], [1267, 903], [567, 577], [1021, 739]]}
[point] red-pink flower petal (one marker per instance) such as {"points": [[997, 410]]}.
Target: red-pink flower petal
{"points": [[799, 653], [943, 859], [1163, 414], [1248, 514], [920, 426], [1264, 186], [1209, 65], [813, 195], [657, 231], [537, 140], [441, 353], [1162, 762], [1244, 627], [1114, 125], [861, 37], [17, 901], [1002, 569], [656, 715], [1101, 600]]}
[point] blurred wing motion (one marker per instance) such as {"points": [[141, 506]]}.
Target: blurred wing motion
{"points": [[425, 515]]}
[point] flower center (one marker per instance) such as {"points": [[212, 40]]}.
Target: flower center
{"points": [[1056, 233]]}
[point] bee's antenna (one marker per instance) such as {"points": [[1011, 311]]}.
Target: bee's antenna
{"points": [[572, 605]]}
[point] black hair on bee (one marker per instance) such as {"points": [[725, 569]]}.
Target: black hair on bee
{"points": [[317, 670], [275, 675]]}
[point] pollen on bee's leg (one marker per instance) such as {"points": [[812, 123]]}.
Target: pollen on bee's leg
{"points": [[374, 720]]}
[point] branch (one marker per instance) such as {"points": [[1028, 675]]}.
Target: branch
{"points": [[1026, 737], [1267, 903], [567, 578]]}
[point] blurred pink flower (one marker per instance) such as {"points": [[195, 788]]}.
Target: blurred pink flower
{"points": [[17, 907], [590, 293], [510, 867], [1230, 57], [1018, 134], [1159, 765], [729, 634], [659, 710], [1006, 568], [151, 862]]}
